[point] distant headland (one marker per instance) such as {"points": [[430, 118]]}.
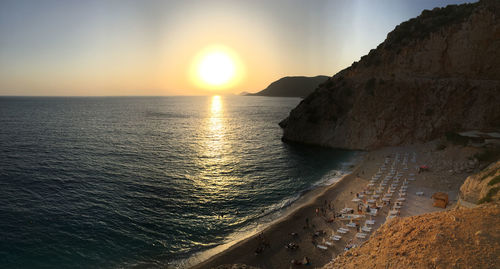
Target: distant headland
{"points": [[293, 86]]}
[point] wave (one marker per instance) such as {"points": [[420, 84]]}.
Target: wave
{"points": [[270, 214]]}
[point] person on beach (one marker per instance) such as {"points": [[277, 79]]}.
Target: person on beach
{"points": [[348, 246], [259, 250], [265, 243], [306, 261]]}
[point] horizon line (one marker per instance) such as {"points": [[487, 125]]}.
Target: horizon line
{"points": [[108, 96]]}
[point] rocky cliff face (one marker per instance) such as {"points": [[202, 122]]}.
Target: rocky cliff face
{"points": [[482, 187], [437, 73]]}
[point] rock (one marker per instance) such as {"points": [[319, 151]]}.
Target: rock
{"points": [[476, 188], [434, 74]]}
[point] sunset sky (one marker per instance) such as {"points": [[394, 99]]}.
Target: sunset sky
{"points": [[105, 48]]}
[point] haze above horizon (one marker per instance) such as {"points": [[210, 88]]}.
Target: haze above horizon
{"points": [[108, 48]]}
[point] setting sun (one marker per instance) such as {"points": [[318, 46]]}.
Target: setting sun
{"points": [[216, 68], [205, 134]]}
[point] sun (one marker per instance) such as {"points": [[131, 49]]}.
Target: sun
{"points": [[216, 67]]}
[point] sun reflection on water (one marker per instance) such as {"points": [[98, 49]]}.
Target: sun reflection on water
{"points": [[214, 144], [216, 125], [217, 163]]}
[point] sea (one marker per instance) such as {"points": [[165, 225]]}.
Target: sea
{"points": [[146, 182]]}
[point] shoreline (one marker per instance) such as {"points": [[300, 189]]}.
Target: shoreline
{"points": [[277, 234], [304, 202], [306, 197]]}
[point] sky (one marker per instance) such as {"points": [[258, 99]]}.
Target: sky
{"points": [[123, 47]]}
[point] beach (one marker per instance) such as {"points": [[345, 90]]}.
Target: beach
{"points": [[308, 227]]}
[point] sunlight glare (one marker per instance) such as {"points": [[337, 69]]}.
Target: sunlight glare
{"points": [[216, 68], [216, 121], [216, 106]]}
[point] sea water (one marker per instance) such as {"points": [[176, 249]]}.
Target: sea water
{"points": [[144, 181]]}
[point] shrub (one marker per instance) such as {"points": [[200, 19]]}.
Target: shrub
{"points": [[427, 23], [457, 139], [369, 86], [494, 181], [440, 147], [489, 174], [489, 195], [328, 83], [314, 116], [488, 156], [348, 92]]}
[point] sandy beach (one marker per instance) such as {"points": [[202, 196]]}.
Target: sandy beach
{"points": [[311, 225]]}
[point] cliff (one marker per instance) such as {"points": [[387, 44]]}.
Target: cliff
{"points": [[292, 86], [482, 187], [437, 73]]}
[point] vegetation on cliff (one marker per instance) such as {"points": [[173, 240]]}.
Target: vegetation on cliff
{"points": [[483, 187], [433, 75]]}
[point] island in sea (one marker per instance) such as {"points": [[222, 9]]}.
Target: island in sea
{"points": [[424, 106]]}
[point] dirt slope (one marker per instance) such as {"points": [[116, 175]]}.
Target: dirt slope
{"points": [[459, 238]]}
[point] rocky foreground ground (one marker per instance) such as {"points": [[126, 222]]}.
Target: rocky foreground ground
{"points": [[459, 238]]}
